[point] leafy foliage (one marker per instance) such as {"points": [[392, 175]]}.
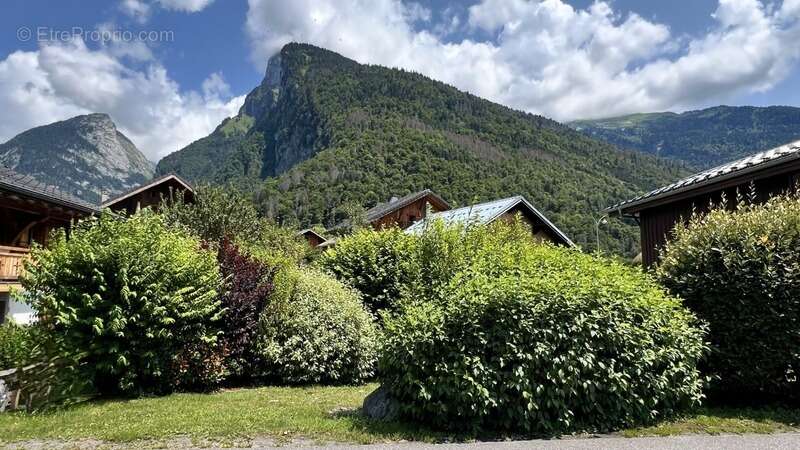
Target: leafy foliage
{"points": [[221, 213], [539, 339], [703, 138], [388, 265], [246, 290], [740, 271], [16, 344], [315, 330], [373, 262], [126, 297], [328, 131]]}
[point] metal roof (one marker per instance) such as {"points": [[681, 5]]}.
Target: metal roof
{"points": [[27, 185], [485, 213], [758, 161]]}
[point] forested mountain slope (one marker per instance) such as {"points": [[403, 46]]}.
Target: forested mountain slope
{"points": [[322, 130], [704, 138]]}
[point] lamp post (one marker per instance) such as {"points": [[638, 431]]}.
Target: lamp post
{"points": [[600, 221]]}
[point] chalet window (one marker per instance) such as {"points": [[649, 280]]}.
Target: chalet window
{"points": [[3, 307]]}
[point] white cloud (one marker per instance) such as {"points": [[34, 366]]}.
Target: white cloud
{"points": [[548, 57], [137, 9], [185, 5], [63, 80], [140, 10]]}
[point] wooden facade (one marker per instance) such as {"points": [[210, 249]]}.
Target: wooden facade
{"points": [[403, 212], [658, 215], [29, 212], [404, 216], [313, 238], [151, 194]]}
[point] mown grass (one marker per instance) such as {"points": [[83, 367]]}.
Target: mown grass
{"points": [[321, 414], [283, 413], [718, 420]]}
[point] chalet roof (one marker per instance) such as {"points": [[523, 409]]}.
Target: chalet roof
{"points": [[143, 187], [486, 213], [382, 209], [740, 167], [309, 231], [29, 186]]}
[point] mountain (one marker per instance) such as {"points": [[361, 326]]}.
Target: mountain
{"points": [[322, 131], [85, 156], [703, 138]]}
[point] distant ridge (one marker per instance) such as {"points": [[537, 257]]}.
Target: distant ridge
{"points": [[703, 138]]}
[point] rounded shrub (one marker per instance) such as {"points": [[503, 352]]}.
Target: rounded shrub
{"points": [[374, 263], [316, 331], [740, 272], [132, 299], [539, 339]]}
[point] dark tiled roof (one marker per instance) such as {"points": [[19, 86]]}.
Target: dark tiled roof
{"points": [[382, 209], [742, 166], [29, 186], [147, 185]]}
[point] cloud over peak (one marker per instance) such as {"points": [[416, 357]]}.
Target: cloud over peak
{"points": [[545, 56]]}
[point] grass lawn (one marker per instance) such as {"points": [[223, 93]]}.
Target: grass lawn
{"points": [[323, 414]]}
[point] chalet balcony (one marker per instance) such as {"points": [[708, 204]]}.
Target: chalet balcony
{"points": [[11, 264]]}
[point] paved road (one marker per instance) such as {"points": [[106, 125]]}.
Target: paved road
{"points": [[743, 442]]}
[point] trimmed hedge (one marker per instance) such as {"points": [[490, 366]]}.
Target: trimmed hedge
{"points": [[133, 300], [538, 339], [740, 271], [316, 331]]}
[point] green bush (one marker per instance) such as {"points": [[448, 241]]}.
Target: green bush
{"points": [[387, 266], [315, 330], [740, 272], [220, 213], [539, 339], [127, 297], [16, 344], [374, 263]]}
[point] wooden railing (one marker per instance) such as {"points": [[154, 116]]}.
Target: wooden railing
{"points": [[11, 262]]}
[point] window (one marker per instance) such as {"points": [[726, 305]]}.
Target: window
{"points": [[4, 299]]}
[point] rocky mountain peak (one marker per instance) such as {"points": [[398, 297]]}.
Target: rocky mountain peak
{"points": [[85, 155]]}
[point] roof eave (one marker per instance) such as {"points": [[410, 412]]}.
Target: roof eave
{"points": [[635, 206]]}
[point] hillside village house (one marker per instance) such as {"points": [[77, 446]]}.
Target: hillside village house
{"points": [[503, 209], [657, 212], [414, 211], [150, 194], [30, 210]]}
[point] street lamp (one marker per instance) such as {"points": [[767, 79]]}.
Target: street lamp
{"points": [[600, 221]]}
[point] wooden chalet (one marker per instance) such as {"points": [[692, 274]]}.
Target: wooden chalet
{"points": [[503, 209], [313, 238], [771, 172], [29, 210], [402, 212], [150, 194]]}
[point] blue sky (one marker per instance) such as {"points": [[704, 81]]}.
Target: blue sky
{"points": [[566, 59]]}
